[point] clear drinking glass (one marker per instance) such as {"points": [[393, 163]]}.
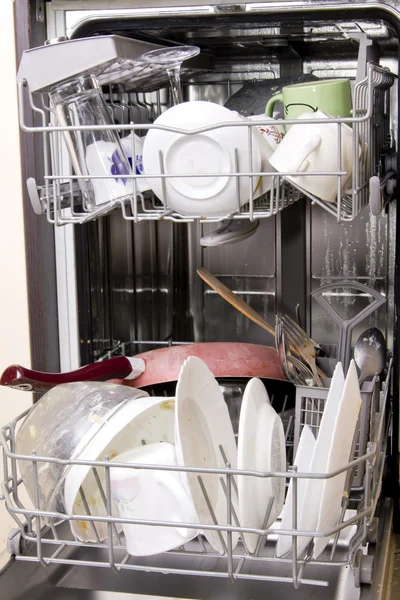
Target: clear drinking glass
{"points": [[93, 152], [171, 59]]}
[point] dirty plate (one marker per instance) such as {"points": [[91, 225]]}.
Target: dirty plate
{"points": [[203, 427], [141, 421]]}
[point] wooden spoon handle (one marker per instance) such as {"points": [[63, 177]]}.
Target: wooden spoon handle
{"points": [[245, 309], [234, 300]]}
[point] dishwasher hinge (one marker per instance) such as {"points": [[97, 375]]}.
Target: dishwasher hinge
{"points": [[229, 8], [40, 11]]}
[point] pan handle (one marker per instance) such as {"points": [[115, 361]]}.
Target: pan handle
{"points": [[117, 367]]}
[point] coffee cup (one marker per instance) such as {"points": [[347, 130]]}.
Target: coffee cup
{"points": [[268, 136], [271, 132], [107, 160], [331, 96], [313, 147], [93, 152], [136, 163]]}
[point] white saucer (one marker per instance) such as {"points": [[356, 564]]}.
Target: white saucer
{"points": [[212, 151], [261, 447], [202, 425]]}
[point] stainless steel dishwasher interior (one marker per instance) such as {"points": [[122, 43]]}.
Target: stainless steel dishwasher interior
{"points": [[138, 282], [142, 277]]}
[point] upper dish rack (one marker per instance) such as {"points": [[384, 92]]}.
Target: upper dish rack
{"points": [[61, 199]]}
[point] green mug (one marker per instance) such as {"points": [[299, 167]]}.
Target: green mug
{"points": [[331, 96]]}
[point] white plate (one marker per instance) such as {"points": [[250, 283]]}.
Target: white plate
{"points": [[152, 495], [261, 447], [308, 515], [147, 419], [202, 424], [342, 437], [302, 461], [209, 152]]}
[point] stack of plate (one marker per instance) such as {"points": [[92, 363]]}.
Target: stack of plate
{"points": [[192, 430], [319, 501]]}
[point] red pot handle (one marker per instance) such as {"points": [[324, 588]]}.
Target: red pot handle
{"points": [[118, 367]]}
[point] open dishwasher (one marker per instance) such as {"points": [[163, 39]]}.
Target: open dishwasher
{"points": [[122, 275]]}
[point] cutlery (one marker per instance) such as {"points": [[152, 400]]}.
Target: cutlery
{"points": [[234, 300], [250, 313], [304, 372], [370, 353], [295, 370], [303, 345], [282, 353], [325, 295], [237, 302]]}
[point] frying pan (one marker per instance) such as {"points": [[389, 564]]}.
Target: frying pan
{"points": [[224, 359]]}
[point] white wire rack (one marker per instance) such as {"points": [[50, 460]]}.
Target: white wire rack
{"points": [[54, 543], [60, 198]]}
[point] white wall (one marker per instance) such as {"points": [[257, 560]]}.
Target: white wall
{"points": [[14, 330]]}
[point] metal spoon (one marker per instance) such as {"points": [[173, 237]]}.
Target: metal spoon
{"points": [[370, 353]]}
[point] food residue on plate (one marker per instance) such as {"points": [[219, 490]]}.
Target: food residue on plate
{"points": [[167, 405], [83, 525], [33, 432]]}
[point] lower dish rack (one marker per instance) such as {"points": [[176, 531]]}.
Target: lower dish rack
{"points": [[51, 542]]}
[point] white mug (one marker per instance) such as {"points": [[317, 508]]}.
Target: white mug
{"points": [[268, 137], [271, 132], [314, 147], [152, 495]]}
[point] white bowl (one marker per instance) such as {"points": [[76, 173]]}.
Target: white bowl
{"points": [[149, 495], [210, 152], [146, 420]]}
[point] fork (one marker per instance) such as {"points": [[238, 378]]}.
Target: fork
{"points": [[304, 345], [287, 367], [295, 370], [303, 371]]}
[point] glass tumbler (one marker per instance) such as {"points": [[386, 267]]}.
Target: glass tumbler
{"points": [[95, 153]]}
